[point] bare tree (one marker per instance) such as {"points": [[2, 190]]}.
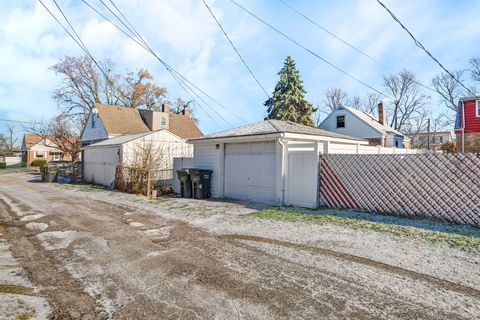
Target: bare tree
{"points": [[408, 98], [367, 104], [61, 133], [475, 68], [449, 89], [83, 84], [335, 97]]}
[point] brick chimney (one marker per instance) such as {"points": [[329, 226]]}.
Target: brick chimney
{"points": [[381, 113], [165, 107], [186, 111]]}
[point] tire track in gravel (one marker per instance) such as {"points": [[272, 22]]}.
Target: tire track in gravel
{"points": [[442, 283]]}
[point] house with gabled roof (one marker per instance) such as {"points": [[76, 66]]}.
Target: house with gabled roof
{"points": [[356, 123], [39, 147], [108, 121]]}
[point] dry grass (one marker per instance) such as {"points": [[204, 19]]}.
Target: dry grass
{"points": [[10, 288]]}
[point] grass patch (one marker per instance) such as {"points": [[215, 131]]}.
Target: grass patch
{"points": [[458, 236], [27, 315], [10, 288], [84, 187]]}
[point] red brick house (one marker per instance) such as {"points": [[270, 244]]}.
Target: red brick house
{"points": [[467, 125], [36, 147]]}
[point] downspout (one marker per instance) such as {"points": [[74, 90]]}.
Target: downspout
{"points": [[280, 141]]}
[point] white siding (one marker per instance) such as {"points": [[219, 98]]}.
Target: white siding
{"points": [[208, 157], [93, 134], [353, 125], [99, 165], [179, 163]]}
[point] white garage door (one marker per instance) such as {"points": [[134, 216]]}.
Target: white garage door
{"points": [[250, 171]]}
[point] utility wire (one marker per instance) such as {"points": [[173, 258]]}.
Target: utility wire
{"points": [[308, 50], [126, 23], [234, 48], [346, 43], [16, 121], [421, 46]]}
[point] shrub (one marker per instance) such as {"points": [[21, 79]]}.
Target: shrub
{"points": [[449, 147], [38, 163]]}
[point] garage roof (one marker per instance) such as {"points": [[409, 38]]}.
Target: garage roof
{"points": [[116, 141], [272, 127]]}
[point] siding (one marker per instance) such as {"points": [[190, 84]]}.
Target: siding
{"points": [[353, 125], [208, 157], [100, 164], [93, 134], [472, 122]]}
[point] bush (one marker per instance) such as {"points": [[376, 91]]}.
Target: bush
{"points": [[449, 147], [38, 163]]}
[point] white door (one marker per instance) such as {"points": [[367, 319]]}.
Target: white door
{"points": [[250, 171], [302, 179]]}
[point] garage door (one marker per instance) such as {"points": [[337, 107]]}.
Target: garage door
{"points": [[250, 171]]}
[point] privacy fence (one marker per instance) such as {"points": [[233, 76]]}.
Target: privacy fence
{"points": [[444, 186]]}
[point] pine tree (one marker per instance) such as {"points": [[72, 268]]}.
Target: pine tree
{"points": [[288, 100]]}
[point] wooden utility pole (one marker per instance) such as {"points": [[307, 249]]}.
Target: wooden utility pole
{"points": [[428, 134]]}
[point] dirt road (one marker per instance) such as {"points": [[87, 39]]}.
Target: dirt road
{"points": [[92, 256]]}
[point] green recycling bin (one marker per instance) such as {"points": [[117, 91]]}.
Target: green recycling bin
{"points": [[185, 183], [201, 181]]}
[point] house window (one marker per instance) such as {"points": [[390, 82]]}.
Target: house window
{"points": [[478, 108], [39, 154], [396, 143], [94, 118], [340, 121], [57, 155], [163, 122]]}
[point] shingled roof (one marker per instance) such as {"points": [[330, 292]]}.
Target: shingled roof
{"points": [[272, 127], [121, 121]]}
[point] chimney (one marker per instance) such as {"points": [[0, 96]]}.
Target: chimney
{"points": [[185, 111], [381, 113], [165, 107]]}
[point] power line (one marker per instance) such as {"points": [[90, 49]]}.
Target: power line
{"points": [[175, 74], [15, 121], [421, 46], [308, 50], [347, 43], [234, 48]]}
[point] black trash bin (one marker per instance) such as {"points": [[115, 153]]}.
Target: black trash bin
{"points": [[201, 183], [185, 183]]}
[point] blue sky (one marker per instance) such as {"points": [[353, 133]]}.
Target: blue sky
{"points": [[183, 33]]}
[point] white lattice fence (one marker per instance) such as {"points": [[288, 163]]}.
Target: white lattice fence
{"points": [[444, 186]]}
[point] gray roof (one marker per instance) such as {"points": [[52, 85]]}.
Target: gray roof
{"points": [[272, 127], [115, 141], [372, 121]]}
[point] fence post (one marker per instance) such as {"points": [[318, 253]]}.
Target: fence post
{"points": [[149, 187]]}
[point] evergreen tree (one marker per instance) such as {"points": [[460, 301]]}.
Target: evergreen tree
{"points": [[288, 100]]}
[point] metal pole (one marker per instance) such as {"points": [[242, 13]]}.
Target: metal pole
{"points": [[149, 191], [428, 134]]}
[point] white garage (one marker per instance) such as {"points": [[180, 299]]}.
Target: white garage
{"points": [[101, 159], [273, 162]]}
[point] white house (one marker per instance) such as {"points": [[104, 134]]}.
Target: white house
{"points": [[272, 161], [102, 158], [356, 123]]}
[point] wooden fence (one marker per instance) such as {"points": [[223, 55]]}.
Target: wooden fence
{"points": [[444, 186]]}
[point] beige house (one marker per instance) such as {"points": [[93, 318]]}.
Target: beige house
{"points": [[420, 139]]}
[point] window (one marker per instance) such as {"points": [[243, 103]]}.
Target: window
{"points": [[57, 155], [39, 154], [340, 121], [94, 118], [478, 108], [163, 122]]}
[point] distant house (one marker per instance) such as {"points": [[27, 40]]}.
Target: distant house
{"points": [[107, 121], [420, 140], [467, 125], [272, 161], [36, 147], [355, 123], [113, 136]]}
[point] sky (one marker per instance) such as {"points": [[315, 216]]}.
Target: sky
{"points": [[183, 33]]}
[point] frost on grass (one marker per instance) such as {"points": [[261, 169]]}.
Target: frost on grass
{"points": [[36, 226], [136, 224], [55, 240], [159, 233], [16, 306]]}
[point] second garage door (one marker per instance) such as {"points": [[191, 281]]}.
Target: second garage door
{"points": [[250, 171]]}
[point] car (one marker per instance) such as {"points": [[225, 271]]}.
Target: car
{"points": [[57, 164]]}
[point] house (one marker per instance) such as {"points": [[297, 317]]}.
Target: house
{"points": [[114, 135], [101, 159], [272, 161], [107, 121], [37, 147], [467, 125], [419, 140], [356, 123]]}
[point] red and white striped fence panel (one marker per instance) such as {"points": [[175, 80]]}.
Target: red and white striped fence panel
{"points": [[444, 186]]}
